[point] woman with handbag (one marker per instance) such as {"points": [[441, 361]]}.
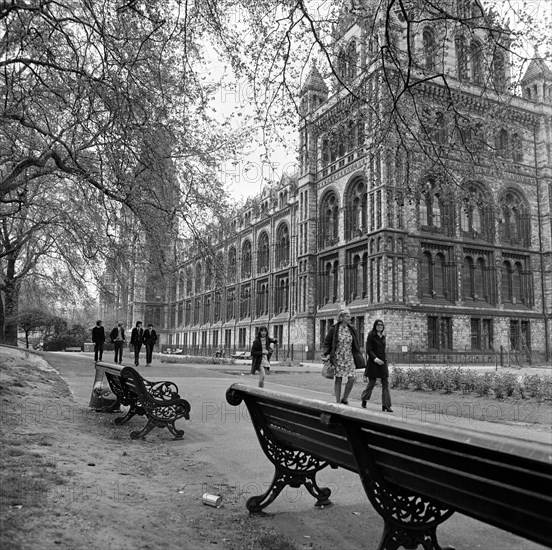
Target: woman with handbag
{"points": [[342, 346], [261, 351], [377, 367]]}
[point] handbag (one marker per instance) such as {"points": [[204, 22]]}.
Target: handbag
{"points": [[328, 369]]}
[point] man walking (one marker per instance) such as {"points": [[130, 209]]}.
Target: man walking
{"points": [[150, 339], [117, 336], [98, 338], [136, 340]]}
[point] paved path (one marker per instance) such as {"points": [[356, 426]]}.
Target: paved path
{"points": [[222, 438]]}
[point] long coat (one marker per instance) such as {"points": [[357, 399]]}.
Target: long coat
{"points": [[375, 349], [330, 345], [257, 352], [149, 339], [136, 336], [98, 335]]}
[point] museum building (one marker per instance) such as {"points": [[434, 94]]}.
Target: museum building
{"points": [[429, 208]]}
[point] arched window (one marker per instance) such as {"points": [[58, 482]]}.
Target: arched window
{"points": [[461, 58], [198, 280], [517, 275], [479, 280], [476, 214], [428, 45], [246, 260], [181, 285], [507, 273], [467, 276], [502, 142], [342, 64], [263, 253], [329, 213], [476, 62], [439, 133], [436, 282], [282, 245], [515, 222], [426, 274], [517, 148], [189, 281], [434, 214], [356, 212], [499, 70], [325, 152], [232, 264], [439, 276], [208, 273], [352, 59]]}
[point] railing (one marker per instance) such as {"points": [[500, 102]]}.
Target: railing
{"points": [[300, 353]]}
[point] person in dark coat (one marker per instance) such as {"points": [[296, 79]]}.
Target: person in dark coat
{"points": [[98, 338], [136, 341], [117, 336], [377, 366], [261, 351], [150, 339], [342, 345]]}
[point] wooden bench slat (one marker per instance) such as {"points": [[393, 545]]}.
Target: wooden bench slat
{"points": [[427, 469]]}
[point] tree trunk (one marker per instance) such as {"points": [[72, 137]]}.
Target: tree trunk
{"points": [[2, 318], [11, 304]]}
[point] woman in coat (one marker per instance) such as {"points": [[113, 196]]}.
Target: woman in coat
{"points": [[377, 366], [261, 351], [341, 344]]}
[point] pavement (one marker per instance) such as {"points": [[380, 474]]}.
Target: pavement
{"points": [[222, 438]]}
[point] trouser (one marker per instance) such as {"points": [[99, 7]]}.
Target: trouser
{"points": [[385, 395], [149, 353], [137, 349], [98, 351], [118, 351]]}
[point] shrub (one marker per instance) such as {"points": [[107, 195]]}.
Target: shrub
{"points": [[505, 384], [398, 378], [536, 386], [483, 384], [197, 360], [417, 378], [432, 378]]}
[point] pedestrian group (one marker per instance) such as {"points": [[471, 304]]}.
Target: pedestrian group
{"points": [[341, 348], [138, 338]]}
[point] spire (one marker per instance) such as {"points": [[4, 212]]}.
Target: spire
{"points": [[537, 69], [314, 81]]}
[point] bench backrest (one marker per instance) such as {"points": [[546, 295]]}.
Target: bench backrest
{"points": [[503, 481]]}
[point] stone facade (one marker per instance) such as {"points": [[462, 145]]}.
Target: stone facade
{"points": [[450, 245]]}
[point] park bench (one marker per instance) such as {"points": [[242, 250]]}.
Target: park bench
{"points": [[159, 402], [415, 474], [74, 348]]}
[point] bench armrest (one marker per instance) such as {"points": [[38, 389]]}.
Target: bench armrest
{"points": [[164, 390]]}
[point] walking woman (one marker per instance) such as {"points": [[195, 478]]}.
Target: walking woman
{"points": [[377, 366], [261, 351], [341, 344]]}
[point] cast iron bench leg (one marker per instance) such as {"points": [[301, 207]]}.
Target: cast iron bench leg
{"points": [[410, 520], [282, 479], [123, 419], [175, 431], [144, 431]]}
